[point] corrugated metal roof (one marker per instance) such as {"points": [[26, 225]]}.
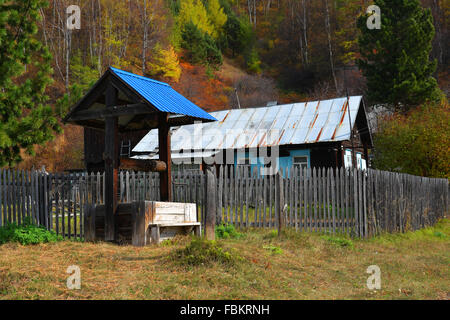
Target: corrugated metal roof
{"points": [[178, 155], [298, 123], [162, 95]]}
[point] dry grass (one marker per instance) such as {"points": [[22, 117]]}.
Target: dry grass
{"points": [[413, 266]]}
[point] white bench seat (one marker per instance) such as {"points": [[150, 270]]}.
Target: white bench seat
{"points": [[170, 218]]}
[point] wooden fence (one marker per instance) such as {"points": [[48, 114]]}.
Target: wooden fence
{"points": [[354, 202]]}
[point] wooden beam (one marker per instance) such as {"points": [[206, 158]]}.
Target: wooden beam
{"points": [[112, 111], [165, 177], [111, 157], [93, 94], [142, 165]]}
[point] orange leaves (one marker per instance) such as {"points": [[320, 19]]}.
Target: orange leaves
{"points": [[207, 93]]}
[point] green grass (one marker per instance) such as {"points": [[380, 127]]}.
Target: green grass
{"points": [[294, 265], [26, 233]]}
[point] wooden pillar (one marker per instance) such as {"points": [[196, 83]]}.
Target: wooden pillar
{"points": [[210, 221], [165, 177], [111, 157], [89, 222], [281, 207]]}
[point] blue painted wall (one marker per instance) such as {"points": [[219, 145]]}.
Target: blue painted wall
{"points": [[284, 162]]}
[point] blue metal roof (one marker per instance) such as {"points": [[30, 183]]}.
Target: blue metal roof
{"points": [[162, 95]]}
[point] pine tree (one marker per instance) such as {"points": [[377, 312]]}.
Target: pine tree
{"points": [[25, 117], [395, 59]]}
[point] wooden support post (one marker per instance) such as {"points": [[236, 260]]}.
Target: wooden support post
{"points": [[111, 157], [281, 206], [165, 177], [210, 221], [89, 222], [139, 224]]}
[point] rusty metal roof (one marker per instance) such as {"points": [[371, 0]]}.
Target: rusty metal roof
{"points": [[288, 124]]}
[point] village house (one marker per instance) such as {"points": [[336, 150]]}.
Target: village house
{"points": [[306, 134]]}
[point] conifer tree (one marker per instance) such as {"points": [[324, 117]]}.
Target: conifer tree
{"points": [[25, 117], [395, 58]]}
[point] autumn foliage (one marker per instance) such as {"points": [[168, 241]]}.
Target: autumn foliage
{"points": [[214, 52], [416, 143]]}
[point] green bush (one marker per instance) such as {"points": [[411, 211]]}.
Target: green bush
{"points": [[271, 235], [227, 231], [416, 143], [26, 233], [205, 252], [340, 242], [273, 249], [439, 234]]}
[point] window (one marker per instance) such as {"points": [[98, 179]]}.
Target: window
{"points": [[360, 162], [301, 161], [348, 163]]}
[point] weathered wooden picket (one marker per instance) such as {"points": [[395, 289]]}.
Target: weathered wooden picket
{"points": [[354, 202]]}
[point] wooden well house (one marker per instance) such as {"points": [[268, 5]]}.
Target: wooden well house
{"points": [[121, 102]]}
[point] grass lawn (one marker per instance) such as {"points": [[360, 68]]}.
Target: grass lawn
{"points": [[414, 265]]}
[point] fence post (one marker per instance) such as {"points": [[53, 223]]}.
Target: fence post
{"points": [[89, 222], [281, 206], [210, 219]]}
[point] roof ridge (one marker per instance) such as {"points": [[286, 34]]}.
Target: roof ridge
{"points": [[139, 77]]}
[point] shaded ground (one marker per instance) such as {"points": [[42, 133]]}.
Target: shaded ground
{"points": [[413, 266]]}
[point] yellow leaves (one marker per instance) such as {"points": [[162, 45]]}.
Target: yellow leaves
{"points": [[165, 63], [209, 20], [115, 23], [217, 16], [194, 11]]}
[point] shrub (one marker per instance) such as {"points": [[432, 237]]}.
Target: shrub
{"points": [[416, 143], [439, 234], [271, 235], [204, 252], [340, 242], [273, 249], [27, 233], [227, 231]]}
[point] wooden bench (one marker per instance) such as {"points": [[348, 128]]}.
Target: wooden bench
{"points": [[143, 222], [168, 219]]}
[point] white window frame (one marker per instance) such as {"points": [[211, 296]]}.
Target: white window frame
{"points": [[348, 159], [301, 164]]}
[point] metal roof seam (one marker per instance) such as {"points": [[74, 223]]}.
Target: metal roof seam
{"points": [[139, 77], [270, 126], [162, 95]]}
